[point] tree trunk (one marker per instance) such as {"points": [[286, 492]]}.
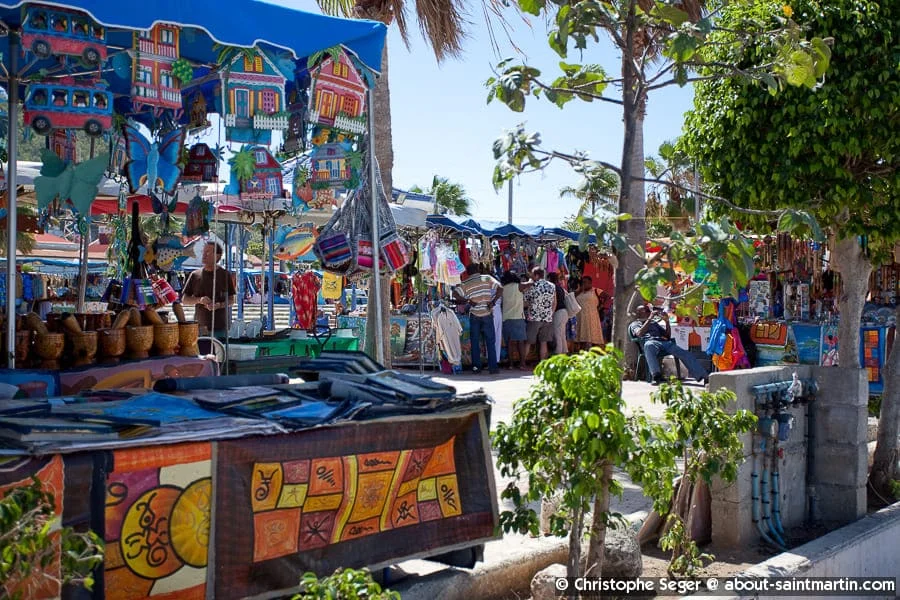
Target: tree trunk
{"points": [[573, 563], [384, 151], [886, 464], [631, 199], [855, 269], [597, 539]]}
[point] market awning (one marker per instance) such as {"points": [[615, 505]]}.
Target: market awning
{"points": [[501, 229], [244, 23]]}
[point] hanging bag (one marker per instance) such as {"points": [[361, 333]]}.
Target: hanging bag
{"points": [[333, 246], [572, 306]]}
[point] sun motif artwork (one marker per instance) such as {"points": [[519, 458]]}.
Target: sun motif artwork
{"points": [[301, 505], [158, 511]]}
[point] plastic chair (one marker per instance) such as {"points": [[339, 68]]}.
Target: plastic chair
{"points": [[642, 361], [210, 346]]}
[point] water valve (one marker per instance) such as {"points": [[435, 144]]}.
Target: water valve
{"points": [[785, 424]]}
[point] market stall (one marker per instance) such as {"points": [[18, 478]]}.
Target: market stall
{"points": [[164, 75], [237, 491], [788, 312], [422, 290]]}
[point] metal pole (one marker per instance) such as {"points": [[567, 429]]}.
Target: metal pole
{"points": [[11, 212], [229, 260], [376, 236], [85, 225], [270, 276], [509, 206], [240, 286]]}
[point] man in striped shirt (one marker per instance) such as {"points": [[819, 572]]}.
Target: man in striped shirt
{"points": [[481, 292]]}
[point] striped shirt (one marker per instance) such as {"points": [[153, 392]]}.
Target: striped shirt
{"points": [[479, 290]]}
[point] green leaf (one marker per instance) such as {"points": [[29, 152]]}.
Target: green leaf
{"points": [[670, 14], [682, 47], [532, 7]]}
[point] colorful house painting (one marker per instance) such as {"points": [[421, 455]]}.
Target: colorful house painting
{"points": [[338, 95], [62, 142], [202, 165], [331, 166], [153, 84], [252, 97], [265, 184], [295, 137]]}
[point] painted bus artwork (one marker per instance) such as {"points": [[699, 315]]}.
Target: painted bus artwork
{"points": [[68, 106], [51, 31]]}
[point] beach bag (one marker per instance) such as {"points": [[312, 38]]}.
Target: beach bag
{"points": [[334, 247], [572, 306], [395, 251]]}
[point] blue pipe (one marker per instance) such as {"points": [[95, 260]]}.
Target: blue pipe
{"points": [[754, 479], [776, 510], [766, 511]]}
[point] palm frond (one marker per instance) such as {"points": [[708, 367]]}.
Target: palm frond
{"points": [[337, 8], [443, 24]]}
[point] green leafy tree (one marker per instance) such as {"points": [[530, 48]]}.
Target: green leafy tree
{"points": [[567, 435], [659, 44], [697, 429], [29, 546], [344, 584], [835, 152]]}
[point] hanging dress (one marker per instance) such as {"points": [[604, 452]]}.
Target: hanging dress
{"points": [[305, 292]]}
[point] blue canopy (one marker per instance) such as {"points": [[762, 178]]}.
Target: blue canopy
{"points": [[501, 229], [244, 23]]}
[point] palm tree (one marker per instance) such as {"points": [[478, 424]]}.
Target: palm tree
{"points": [[597, 192], [449, 198], [668, 200], [442, 24]]}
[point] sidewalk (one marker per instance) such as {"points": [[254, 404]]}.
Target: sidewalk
{"points": [[510, 562]]}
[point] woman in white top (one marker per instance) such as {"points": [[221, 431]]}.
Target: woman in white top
{"points": [[513, 318]]}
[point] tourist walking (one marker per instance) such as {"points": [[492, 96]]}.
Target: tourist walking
{"points": [[540, 304], [560, 316], [589, 327]]}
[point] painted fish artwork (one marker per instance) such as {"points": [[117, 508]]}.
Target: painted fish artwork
{"points": [[294, 242], [170, 253], [153, 163]]}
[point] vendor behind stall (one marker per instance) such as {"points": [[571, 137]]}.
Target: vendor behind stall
{"points": [[211, 308]]}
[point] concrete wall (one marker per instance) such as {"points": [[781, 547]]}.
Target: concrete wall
{"points": [[839, 417], [869, 547]]}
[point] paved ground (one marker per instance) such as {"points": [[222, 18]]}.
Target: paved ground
{"points": [[510, 562]]}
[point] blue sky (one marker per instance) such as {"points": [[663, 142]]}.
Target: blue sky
{"points": [[442, 124]]}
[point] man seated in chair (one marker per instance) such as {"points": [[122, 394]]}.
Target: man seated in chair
{"points": [[652, 332]]}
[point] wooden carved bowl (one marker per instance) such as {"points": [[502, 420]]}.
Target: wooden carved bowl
{"points": [[139, 340], [84, 347], [112, 344], [187, 338], [165, 338], [23, 346], [49, 347]]}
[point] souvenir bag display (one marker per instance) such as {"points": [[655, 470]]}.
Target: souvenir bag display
{"points": [[333, 247], [394, 250]]}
